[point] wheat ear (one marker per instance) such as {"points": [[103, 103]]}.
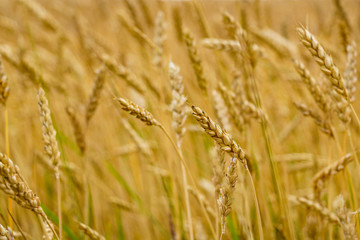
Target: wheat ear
{"points": [[323, 124], [323, 59], [95, 93], [178, 106], [91, 233], [78, 131], [138, 112], [327, 172], [225, 141], [50, 145], [123, 72], [195, 59], [324, 212], [178, 103], [222, 45], [350, 73], [159, 39], [4, 88], [313, 86]]}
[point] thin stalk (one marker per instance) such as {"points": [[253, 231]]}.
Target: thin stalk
{"points": [[260, 229], [191, 178], [355, 114], [187, 202], [7, 144], [58, 189], [274, 168], [351, 184]]}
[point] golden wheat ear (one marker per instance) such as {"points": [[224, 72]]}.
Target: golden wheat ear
{"points": [[138, 112]]}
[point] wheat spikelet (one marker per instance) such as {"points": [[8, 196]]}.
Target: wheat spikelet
{"points": [[323, 124], [178, 103], [49, 133], [324, 212], [225, 198], [222, 45], [4, 88], [122, 204], [313, 86], [342, 107], [232, 27], [91, 233], [12, 184], [202, 198], [250, 111], [159, 39], [345, 217], [350, 74], [8, 54], [34, 75], [9, 24], [343, 24], [275, 41], [95, 94], [195, 59], [142, 146], [46, 19], [239, 86], [123, 72], [78, 131], [138, 112], [221, 111], [218, 164], [234, 112], [48, 234], [323, 59], [250, 49], [177, 20], [327, 172], [136, 32], [5, 234], [133, 13], [225, 141]]}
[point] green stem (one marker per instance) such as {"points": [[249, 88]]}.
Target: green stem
{"points": [[191, 178]]}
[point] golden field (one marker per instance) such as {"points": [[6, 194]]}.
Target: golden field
{"points": [[138, 119]]}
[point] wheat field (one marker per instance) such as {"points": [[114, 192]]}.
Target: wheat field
{"points": [[196, 119]]}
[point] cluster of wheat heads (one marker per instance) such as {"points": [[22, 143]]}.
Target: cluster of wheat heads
{"points": [[190, 120]]}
